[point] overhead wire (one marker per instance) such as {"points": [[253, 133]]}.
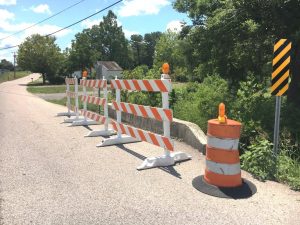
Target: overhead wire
{"points": [[47, 35], [20, 31]]}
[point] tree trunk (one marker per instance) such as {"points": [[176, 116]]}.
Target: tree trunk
{"points": [[44, 78]]}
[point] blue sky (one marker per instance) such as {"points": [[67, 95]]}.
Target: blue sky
{"points": [[135, 16]]}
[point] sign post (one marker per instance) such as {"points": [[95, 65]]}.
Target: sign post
{"points": [[280, 82]]}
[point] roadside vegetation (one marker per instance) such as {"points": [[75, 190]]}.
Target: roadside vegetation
{"points": [[224, 55], [7, 76]]}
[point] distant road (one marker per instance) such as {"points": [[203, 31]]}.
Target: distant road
{"points": [[51, 174]]}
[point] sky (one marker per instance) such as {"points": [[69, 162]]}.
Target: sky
{"points": [[135, 17]]}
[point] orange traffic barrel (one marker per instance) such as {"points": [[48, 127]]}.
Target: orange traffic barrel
{"points": [[222, 175], [222, 155]]}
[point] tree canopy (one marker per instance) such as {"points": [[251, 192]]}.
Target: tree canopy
{"points": [[4, 64], [40, 54], [235, 38]]}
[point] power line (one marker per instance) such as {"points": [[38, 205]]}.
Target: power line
{"points": [[47, 35], [71, 6], [85, 18]]}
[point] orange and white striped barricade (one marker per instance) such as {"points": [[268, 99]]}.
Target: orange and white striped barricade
{"points": [[163, 114], [95, 117], [222, 176], [85, 98], [69, 81], [75, 96]]}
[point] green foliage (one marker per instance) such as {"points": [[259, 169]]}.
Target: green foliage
{"points": [[105, 42], [10, 75], [6, 65], [254, 107], [198, 103], [169, 48], [259, 160], [138, 72], [288, 170], [40, 54], [48, 89]]}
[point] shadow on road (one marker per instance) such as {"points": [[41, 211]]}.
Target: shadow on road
{"points": [[168, 169]]}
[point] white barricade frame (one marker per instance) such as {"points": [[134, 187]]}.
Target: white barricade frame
{"points": [[75, 96], [85, 121], [95, 118], [68, 81], [133, 134]]}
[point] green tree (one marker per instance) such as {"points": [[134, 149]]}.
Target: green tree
{"points": [[150, 40], [137, 46], [169, 49], [40, 54], [108, 38], [4, 64], [234, 38], [82, 53]]}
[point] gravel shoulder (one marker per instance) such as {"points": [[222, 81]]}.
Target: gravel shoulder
{"points": [[51, 174]]}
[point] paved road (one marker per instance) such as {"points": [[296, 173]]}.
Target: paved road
{"points": [[50, 174]]}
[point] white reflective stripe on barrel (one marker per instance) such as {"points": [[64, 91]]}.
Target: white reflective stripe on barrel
{"points": [[223, 143], [220, 168]]}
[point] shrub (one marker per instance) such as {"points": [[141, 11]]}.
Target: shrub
{"points": [[199, 102], [56, 80], [288, 169], [259, 160], [253, 106]]}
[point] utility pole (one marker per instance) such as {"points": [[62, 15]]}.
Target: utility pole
{"points": [[14, 65]]}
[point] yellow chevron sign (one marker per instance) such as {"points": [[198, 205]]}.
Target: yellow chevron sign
{"points": [[281, 63]]}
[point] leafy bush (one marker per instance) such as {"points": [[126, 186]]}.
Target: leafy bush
{"points": [[253, 106], [56, 80], [198, 103], [259, 160], [288, 169], [180, 74]]}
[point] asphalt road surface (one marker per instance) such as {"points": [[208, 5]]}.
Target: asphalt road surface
{"points": [[51, 174]]}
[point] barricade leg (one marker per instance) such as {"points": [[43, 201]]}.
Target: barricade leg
{"points": [[85, 121], [119, 139], [71, 120], [69, 113], [106, 132], [168, 158]]}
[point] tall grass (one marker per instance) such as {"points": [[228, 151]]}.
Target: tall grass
{"points": [[10, 75]]}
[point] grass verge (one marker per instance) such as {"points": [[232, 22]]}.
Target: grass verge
{"points": [[51, 89], [10, 75]]}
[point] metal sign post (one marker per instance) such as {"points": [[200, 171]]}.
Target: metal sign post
{"points": [[276, 125], [280, 81]]}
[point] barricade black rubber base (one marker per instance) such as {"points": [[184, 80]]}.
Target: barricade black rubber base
{"points": [[246, 190]]}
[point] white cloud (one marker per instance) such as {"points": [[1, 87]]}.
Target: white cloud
{"points": [[6, 15], [128, 33], [138, 7], [89, 23], [8, 2], [175, 26], [42, 8]]}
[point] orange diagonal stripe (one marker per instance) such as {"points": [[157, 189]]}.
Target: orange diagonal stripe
{"points": [[283, 90], [285, 76], [278, 44], [286, 62], [282, 53]]}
